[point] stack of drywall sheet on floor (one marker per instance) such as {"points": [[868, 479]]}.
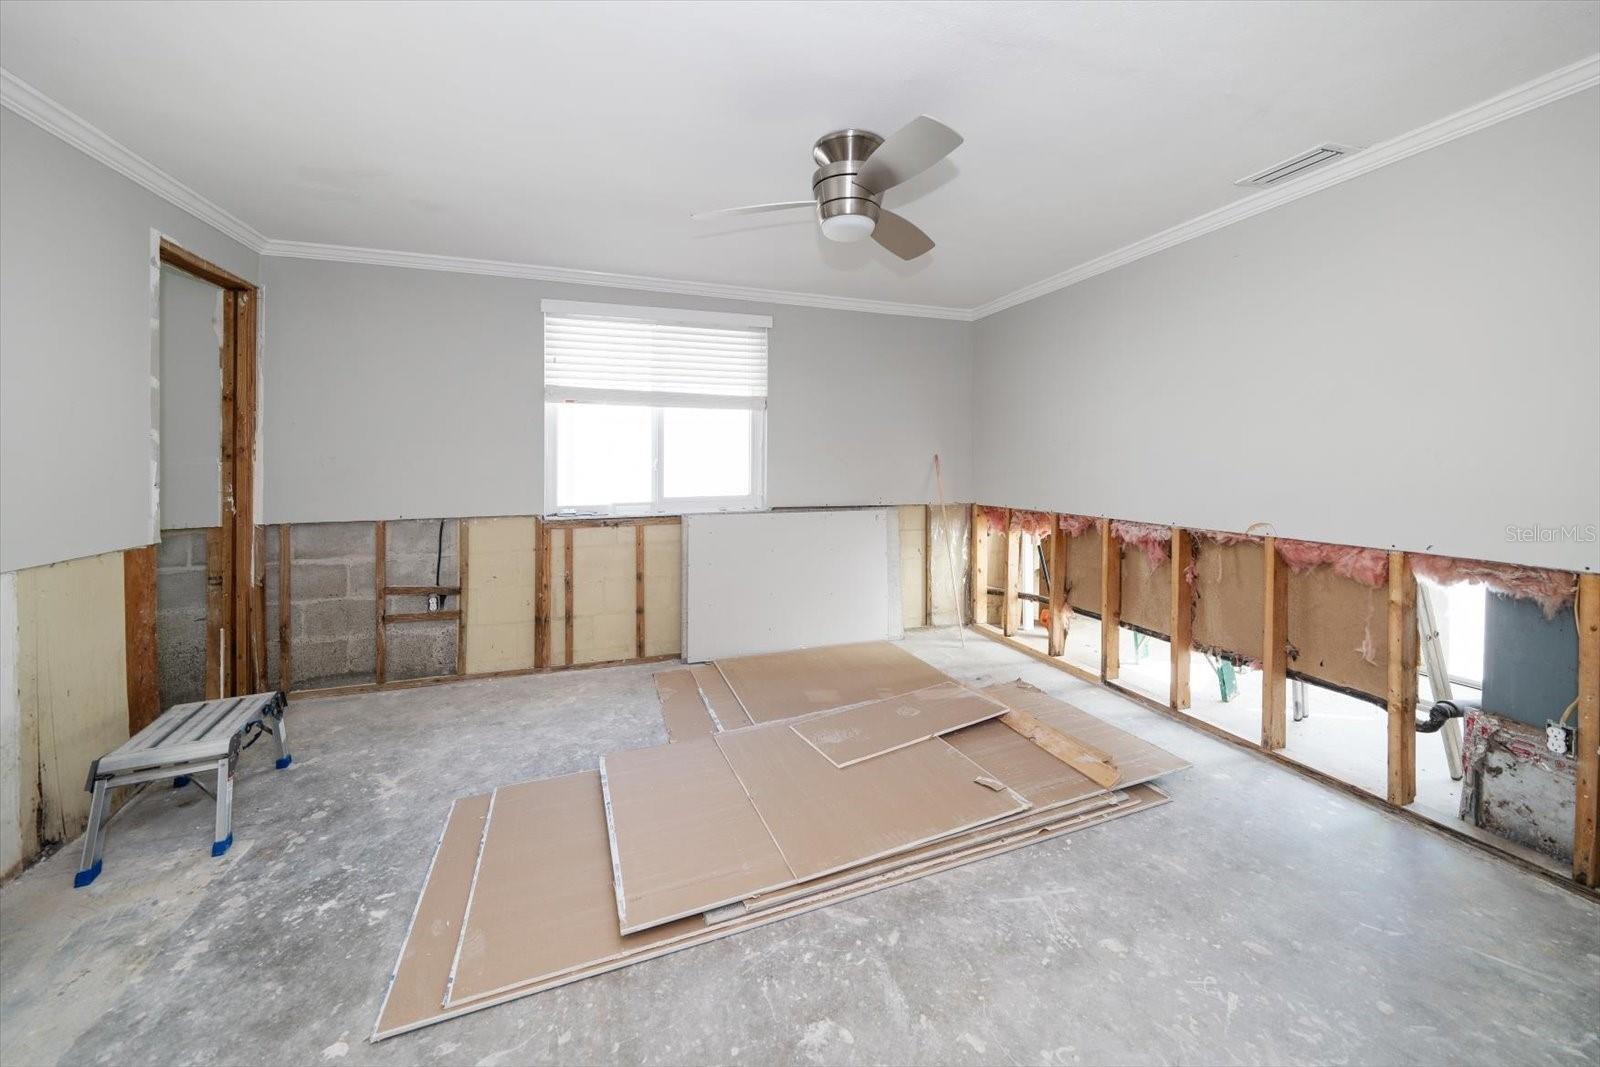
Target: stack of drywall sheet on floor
{"points": [[547, 882]]}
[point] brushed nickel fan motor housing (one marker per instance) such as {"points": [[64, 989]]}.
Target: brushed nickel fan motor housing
{"points": [[839, 156]]}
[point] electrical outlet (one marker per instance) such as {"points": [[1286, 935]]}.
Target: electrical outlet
{"points": [[435, 602], [1559, 739]]}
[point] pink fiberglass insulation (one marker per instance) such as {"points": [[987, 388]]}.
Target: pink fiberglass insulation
{"points": [[1075, 525], [1551, 590], [1223, 537], [1035, 523], [994, 518], [1369, 566], [1152, 540]]}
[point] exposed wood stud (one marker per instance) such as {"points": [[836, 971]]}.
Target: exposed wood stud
{"points": [[1182, 629], [380, 589], [139, 618], [638, 590], [425, 590], [1057, 641], [216, 651], [462, 559], [978, 569], [245, 561], [566, 585], [421, 616], [1110, 603], [205, 270], [258, 614], [1274, 647], [230, 515], [541, 619], [1403, 650], [1586, 827], [285, 629], [1011, 607]]}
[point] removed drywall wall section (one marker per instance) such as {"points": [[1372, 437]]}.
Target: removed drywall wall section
{"points": [[440, 376], [181, 616], [417, 553], [500, 592], [663, 589], [604, 622], [950, 543], [76, 347], [72, 687], [333, 622], [1253, 374], [914, 532]]}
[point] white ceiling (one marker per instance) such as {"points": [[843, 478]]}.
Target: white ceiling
{"points": [[583, 135]]}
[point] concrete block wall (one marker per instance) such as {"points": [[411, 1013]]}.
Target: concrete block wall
{"points": [[333, 602], [181, 616], [416, 555]]}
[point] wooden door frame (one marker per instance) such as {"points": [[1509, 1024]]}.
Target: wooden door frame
{"points": [[235, 576]]}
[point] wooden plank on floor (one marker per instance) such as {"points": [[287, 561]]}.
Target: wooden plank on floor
{"points": [[1085, 759], [782, 685], [1586, 827], [851, 735], [1274, 647], [684, 836]]}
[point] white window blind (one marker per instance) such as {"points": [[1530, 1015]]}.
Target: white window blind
{"points": [[600, 353]]}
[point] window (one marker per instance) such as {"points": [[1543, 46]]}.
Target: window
{"points": [[653, 410]]}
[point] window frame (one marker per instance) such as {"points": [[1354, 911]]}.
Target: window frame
{"points": [[659, 504]]}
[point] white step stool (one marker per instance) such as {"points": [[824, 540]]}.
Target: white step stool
{"points": [[184, 740]]}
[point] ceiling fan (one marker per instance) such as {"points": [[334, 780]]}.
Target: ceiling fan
{"points": [[854, 169]]}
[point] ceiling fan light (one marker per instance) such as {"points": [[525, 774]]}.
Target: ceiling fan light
{"points": [[847, 229]]}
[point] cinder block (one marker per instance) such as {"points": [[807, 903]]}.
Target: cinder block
{"points": [[332, 540], [336, 618], [420, 650], [182, 592], [314, 660], [420, 537], [181, 658], [320, 581], [173, 550]]}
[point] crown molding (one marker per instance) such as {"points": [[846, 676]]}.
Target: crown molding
{"points": [[378, 257], [22, 98], [1546, 89]]}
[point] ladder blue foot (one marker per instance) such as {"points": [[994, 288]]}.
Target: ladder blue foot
{"points": [[180, 781], [219, 847], [83, 878], [284, 761]]}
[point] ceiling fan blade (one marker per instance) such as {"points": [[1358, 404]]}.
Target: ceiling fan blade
{"points": [[900, 236], [755, 209], [909, 151]]}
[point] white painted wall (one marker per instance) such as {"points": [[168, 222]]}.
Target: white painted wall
{"points": [[1408, 359], [191, 402], [756, 583], [393, 393], [75, 347]]}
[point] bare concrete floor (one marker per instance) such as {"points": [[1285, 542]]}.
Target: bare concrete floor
{"points": [[1260, 918]]}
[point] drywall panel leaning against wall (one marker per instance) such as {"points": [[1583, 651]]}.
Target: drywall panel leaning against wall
{"points": [[767, 582]]}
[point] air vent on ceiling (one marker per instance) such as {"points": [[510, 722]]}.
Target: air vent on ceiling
{"points": [[1295, 166]]}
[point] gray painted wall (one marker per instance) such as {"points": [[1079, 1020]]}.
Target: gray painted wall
{"points": [[75, 347], [395, 393], [1447, 306], [191, 402]]}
